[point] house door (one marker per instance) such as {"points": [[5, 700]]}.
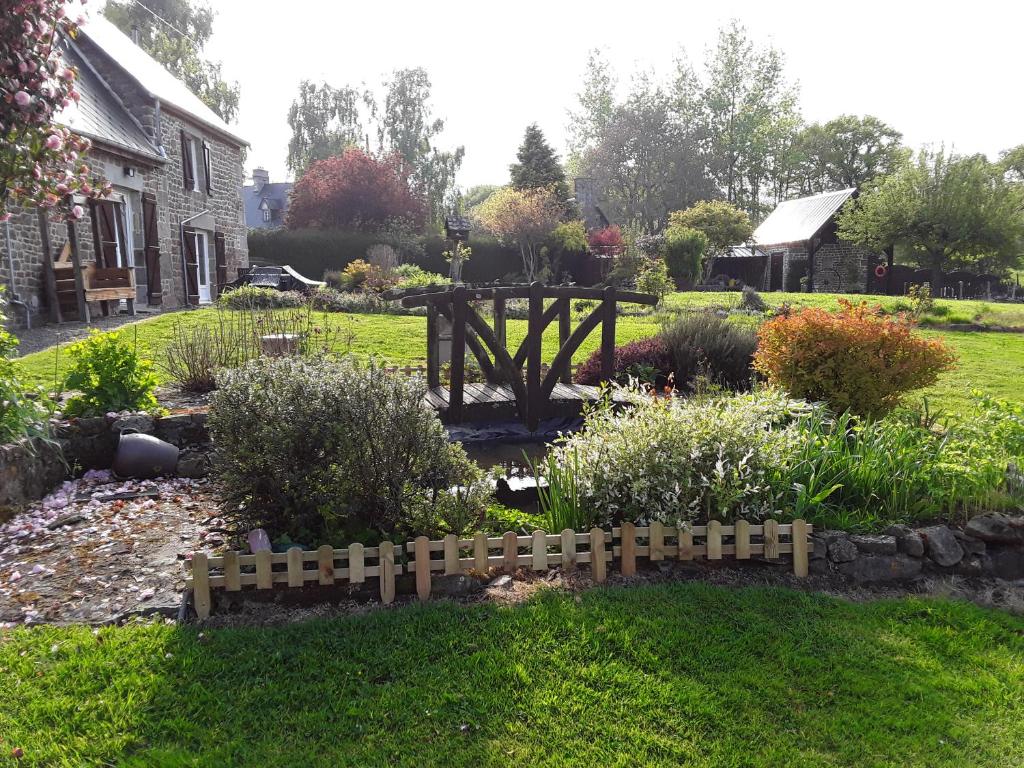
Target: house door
{"points": [[203, 254], [776, 276]]}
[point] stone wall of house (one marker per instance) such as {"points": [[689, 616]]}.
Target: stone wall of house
{"points": [[839, 267]]}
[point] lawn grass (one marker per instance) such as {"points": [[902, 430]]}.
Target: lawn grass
{"points": [[989, 361], [683, 674]]}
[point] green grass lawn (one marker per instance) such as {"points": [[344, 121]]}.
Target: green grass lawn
{"points": [[684, 674], [989, 361]]}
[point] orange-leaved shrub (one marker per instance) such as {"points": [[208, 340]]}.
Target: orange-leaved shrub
{"points": [[854, 359]]}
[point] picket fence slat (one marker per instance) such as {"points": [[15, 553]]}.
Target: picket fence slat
{"points": [[539, 551]]}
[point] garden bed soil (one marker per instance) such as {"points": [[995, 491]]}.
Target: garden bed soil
{"points": [[97, 551]]}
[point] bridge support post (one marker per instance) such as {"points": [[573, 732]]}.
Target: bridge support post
{"points": [[564, 330], [534, 333], [458, 363], [433, 347], [608, 334]]}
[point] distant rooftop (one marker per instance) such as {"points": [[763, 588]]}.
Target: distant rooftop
{"points": [[793, 221]]}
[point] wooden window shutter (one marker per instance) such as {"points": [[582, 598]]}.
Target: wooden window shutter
{"points": [[188, 172], [191, 267], [154, 288], [222, 261], [208, 168], [104, 233]]}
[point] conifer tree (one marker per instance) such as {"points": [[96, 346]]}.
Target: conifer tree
{"points": [[538, 166]]}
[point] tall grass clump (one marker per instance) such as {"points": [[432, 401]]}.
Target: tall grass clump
{"points": [[558, 493]]}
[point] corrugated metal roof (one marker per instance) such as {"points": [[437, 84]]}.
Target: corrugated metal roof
{"points": [[151, 75], [99, 116], [796, 220], [742, 252]]}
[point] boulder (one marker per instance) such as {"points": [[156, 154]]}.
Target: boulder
{"points": [[879, 568], [908, 540], [1007, 564], [454, 585], [842, 550], [942, 546], [819, 547], [971, 545], [133, 422], [996, 529], [875, 545], [194, 465]]}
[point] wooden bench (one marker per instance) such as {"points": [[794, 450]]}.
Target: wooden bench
{"points": [[102, 284]]}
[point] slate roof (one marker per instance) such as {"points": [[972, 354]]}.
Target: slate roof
{"points": [[151, 75], [100, 116], [276, 197], [793, 221]]}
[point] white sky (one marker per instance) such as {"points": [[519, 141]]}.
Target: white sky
{"points": [[937, 71]]}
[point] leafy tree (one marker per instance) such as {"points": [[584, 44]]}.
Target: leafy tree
{"points": [[684, 250], [748, 114], [848, 151], [597, 104], [723, 224], [325, 121], [570, 236], [947, 210], [525, 218], [1012, 162], [353, 190], [406, 128], [174, 32], [646, 162], [476, 195], [538, 166], [40, 162]]}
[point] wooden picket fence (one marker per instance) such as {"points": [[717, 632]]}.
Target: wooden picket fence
{"points": [[540, 551]]}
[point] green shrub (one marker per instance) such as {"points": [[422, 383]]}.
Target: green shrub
{"points": [[108, 375], [325, 448], [654, 279], [855, 359], [684, 253], [704, 345], [414, 276], [558, 494], [681, 460], [253, 297], [22, 413]]}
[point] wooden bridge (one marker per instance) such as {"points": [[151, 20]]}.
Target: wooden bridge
{"points": [[517, 385]]}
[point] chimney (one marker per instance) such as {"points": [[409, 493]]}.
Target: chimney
{"points": [[260, 178]]}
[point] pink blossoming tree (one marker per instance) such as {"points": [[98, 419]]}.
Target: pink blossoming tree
{"points": [[41, 163]]}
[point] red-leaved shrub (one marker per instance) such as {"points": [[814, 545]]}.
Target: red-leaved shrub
{"points": [[647, 359], [609, 237], [854, 359]]}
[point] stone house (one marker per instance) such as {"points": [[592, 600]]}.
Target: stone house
{"points": [[175, 222], [265, 204], [798, 240]]}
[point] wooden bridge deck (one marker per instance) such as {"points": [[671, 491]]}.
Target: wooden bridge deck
{"points": [[496, 402]]}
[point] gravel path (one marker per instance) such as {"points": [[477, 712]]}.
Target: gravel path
{"points": [[46, 335]]}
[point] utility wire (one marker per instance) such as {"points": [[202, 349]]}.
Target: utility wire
{"points": [[166, 23]]}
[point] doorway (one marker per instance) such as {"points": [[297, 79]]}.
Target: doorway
{"points": [[775, 283]]}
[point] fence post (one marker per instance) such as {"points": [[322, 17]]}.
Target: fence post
{"points": [[295, 567], [627, 541], [480, 553], [597, 561], [421, 554], [800, 548], [201, 585], [568, 549], [451, 555], [714, 540], [356, 566], [771, 539], [386, 569], [540, 550], [685, 545], [264, 575], [510, 551], [742, 540], [232, 573], [656, 541]]}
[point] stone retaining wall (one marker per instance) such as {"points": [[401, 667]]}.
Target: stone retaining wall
{"points": [[31, 468], [988, 545]]}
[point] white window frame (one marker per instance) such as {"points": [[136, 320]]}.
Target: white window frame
{"points": [[202, 245], [266, 214]]}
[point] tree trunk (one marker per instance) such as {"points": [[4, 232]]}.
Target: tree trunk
{"points": [[936, 285]]}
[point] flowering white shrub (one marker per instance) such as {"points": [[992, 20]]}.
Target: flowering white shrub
{"points": [[678, 461]]}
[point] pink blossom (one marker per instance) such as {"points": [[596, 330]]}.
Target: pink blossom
{"points": [[5, 217], [66, 74], [53, 141], [21, 98], [23, 67], [77, 212]]}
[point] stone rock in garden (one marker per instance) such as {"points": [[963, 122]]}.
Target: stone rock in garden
{"points": [[819, 547], [195, 465], [972, 565], [818, 567], [69, 519], [908, 540], [875, 545], [454, 585], [971, 545], [942, 546], [1007, 564], [996, 529], [877, 568], [92, 425], [133, 422], [842, 550], [502, 581]]}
